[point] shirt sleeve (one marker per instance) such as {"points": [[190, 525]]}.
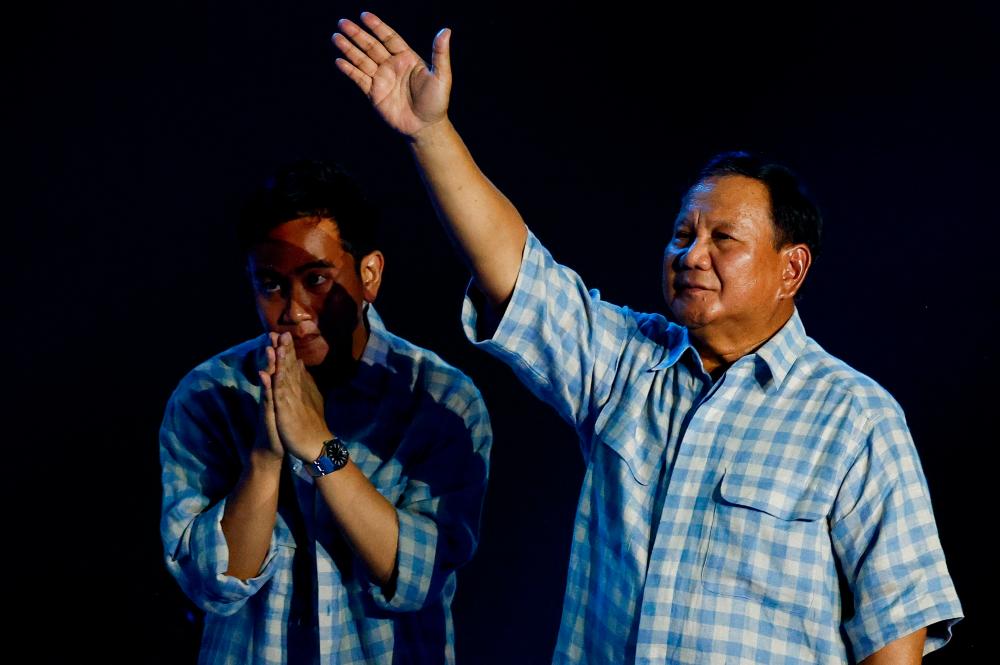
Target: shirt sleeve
{"points": [[885, 537], [562, 341], [198, 471], [440, 506]]}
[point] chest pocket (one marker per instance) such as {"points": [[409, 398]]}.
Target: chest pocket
{"points": [[769, 542]]}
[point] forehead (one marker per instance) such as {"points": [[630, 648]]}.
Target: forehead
{"points": [[300, 241], [731, 199]]}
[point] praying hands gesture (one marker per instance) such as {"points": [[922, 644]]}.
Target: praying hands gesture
{"points": [[407, 94], [291, 403]]}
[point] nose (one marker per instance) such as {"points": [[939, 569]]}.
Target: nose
{"points": [[695, 255], [296, 309]]}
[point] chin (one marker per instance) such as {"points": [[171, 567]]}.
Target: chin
{"points": [[691, 317], [312, 357]]}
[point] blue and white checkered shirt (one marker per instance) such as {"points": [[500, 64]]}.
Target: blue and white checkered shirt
{"points": [[778, 515], [415, 426]]}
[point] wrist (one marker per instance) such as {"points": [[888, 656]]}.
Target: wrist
{"points": [[333, 456], [312, 446], [431, 134], [265, 461]]}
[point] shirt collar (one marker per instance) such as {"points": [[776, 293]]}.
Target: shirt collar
{"points": [[781, 351], [778, 353], [677, 343], [372, 365]]}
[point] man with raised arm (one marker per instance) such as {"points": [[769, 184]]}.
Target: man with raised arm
{"points": [[323, 481], [748, 497]]}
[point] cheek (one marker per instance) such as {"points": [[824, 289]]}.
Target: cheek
{"points": [[269, 313], [669, 259], [337, 310], [745, 277]]}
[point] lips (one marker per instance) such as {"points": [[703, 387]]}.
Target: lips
{"points": [[686, 286], [305, 340]]}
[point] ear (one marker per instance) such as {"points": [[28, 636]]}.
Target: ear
{"points": [[795, 262], [371, 274]]}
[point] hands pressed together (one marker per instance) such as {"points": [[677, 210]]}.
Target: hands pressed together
{"points": [[291, 405]]}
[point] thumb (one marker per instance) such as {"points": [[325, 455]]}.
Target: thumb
{"points": [[441, 54]]}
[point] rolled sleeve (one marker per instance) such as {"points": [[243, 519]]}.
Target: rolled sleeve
{"points": [[562, 341], [886, 538], [416, 552], [197, 476], [201, 559]]}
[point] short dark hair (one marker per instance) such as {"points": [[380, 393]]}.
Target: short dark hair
{"points": [[310, 188], [796, 216]]}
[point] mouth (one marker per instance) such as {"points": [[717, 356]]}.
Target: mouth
{"points": [[690, 288], [306, 340]]}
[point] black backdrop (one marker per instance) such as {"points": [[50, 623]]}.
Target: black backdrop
{"points": [[134, 127]]}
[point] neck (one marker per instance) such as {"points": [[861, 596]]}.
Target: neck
{"points": [[340, 368], [720, 349]]}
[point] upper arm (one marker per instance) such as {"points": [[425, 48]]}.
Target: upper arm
{"points": [[563, 342], [908, 650], [886, 540]]}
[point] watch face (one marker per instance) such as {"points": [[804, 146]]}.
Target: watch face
{"points": [[337, 451]]}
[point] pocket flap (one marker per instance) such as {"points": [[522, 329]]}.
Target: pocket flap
{"points": [[628, 448], [785, 498]]}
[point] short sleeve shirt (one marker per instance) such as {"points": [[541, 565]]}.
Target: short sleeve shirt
{"points": [[776, 515]]}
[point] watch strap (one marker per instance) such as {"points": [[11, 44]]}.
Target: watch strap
{"points": [[333, 458]]}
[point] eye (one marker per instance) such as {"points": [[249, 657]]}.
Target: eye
{"points": [[681, 236], [268, 286], [316, 279], [719, 235]]}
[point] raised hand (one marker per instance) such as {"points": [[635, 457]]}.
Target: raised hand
{"points": [[298, 404], [406, 93]]}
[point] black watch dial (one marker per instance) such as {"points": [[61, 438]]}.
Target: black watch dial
{"points": [[337, 452]]}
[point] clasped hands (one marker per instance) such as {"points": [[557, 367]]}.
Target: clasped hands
{"points": [[291, 405]]}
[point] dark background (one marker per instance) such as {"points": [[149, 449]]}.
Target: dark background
{"points": [[134, 128]]}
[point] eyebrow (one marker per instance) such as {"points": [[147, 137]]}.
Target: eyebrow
{"points": [[305, 267], [318, 263]]}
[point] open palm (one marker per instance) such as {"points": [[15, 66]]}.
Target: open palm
{"points": [[407, 93]]}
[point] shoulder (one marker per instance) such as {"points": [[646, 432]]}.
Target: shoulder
{"points": [[231, 371], [427, 374], [824, 373], [869, 418], [650, 339]]}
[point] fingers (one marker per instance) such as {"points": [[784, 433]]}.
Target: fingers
{"points": [[354, 55], [269, 352], [267, 401], [441, 54], [266, 393], [392, 41], [373, 49], [286, 363], [362, 80], [268, 360], [286, 348]]}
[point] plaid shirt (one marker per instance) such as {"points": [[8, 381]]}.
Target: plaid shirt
{"points": [[415, 426], [777, 515]]}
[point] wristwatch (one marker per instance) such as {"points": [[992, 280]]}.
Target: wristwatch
{"points": [[333, 458]]}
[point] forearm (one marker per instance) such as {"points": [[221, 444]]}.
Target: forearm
{"points": [[249, 518], [482, 222], [368, 521], [906, 650]]}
